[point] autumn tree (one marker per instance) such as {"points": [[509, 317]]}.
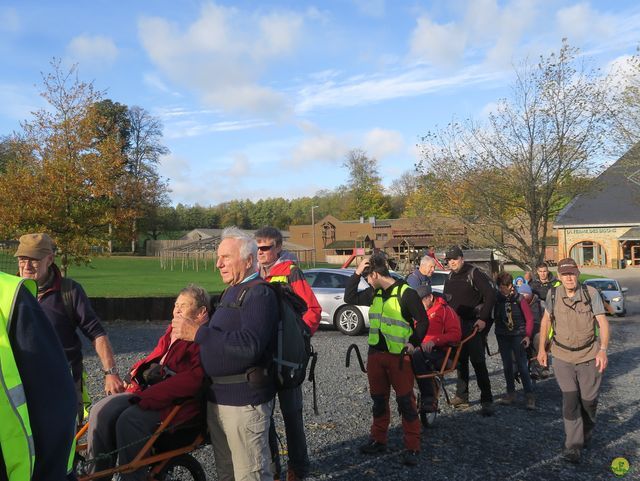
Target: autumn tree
{"points": [[625, 104], [506, 178], [63, 178], [366, 195], [141, 190]]}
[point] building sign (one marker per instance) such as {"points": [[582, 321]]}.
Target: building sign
{"points": [[594, 230]]}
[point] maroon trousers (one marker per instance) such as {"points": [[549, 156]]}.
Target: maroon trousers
{"points": [[384, 372]]}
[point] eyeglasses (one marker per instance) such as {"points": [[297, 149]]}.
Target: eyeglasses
{"points": [[23, 261], [266, 248]]}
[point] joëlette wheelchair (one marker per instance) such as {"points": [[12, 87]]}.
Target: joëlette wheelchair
{"points": [[165, 453], [449, 365]]}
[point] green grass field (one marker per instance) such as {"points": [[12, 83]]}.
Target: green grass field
{"points": [[140, 277], [143, 277]]}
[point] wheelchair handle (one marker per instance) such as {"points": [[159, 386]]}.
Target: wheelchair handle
{"points": [[354, 347]]}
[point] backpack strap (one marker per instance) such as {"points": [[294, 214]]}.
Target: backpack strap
{"points": [[243, 292], [66, 286]]}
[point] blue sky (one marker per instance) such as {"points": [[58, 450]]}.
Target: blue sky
{"points": [[264, 98]]}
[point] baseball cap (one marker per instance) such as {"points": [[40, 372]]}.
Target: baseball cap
{"points": [[453, 252], [36, 246], [568, 266], [423, 291]]}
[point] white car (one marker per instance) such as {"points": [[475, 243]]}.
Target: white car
{"points": [[612, 292], [328, 286]]}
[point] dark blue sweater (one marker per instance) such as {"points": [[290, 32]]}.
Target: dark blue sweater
{"points": [[48, 386], [67, 329], [238, 338]]}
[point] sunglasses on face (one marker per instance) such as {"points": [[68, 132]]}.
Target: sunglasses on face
{"points": [[266, 248]]}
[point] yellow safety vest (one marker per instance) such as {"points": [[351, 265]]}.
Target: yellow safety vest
{"points": [[15, 429], [385, 317]]}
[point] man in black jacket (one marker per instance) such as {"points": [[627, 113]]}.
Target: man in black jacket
{"points": [[543, 281], [470, 293]]}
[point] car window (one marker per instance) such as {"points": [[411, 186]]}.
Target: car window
{"points": [[603, 285], [438, 278], [311, 277], [328, 280]]}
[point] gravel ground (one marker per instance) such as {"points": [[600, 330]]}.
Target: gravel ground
{"points": [[514, 444]]}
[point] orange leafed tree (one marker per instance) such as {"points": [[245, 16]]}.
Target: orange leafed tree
{"points": [[60, 178]]}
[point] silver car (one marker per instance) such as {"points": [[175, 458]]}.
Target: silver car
{"points": [[612, 292], [328, 286]]}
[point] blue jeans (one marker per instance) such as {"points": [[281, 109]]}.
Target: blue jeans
{"points": [[512, 349], [291, 408]]}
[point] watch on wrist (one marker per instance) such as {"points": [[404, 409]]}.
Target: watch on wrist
{"points": [[112, 370]]}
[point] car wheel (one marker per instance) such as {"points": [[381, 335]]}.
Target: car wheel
{"points": [[349, 320], [622, 314]]}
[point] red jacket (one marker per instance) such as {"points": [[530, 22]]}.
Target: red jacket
{"points": [[183, 357], [444, 324], [289, 272]]}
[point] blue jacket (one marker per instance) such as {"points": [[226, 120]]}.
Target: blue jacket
{"points": [[417, 278], [239, 338], [48, 387]]}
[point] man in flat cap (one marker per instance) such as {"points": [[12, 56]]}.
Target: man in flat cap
{"points": [[68, 308], [576, 318]]}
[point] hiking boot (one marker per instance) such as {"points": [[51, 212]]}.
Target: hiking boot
{"points": [[460, 402], [373, 447], [487, 409], [508, 399], [410, 458], [571, 455], [531, 402]]}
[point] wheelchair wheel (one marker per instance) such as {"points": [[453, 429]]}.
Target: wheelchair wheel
{"points": [[183, 468], [428, 419]]}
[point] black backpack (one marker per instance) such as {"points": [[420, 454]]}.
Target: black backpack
{"points": [[293, 349]]}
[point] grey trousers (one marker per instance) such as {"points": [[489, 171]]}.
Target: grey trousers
{"points": [[114, 423], [580, 384], [240, 440]]}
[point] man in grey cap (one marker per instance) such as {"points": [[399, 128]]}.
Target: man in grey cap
{"points": [[579, 349], [68, 308]]}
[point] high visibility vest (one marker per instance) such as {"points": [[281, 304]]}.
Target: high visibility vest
{"points": [[15, 429], [385, 317]]}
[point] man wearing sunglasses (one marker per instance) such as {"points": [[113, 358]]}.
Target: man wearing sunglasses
{"points": [[278, 266]]}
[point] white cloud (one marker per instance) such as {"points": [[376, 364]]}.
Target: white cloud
{"points": [[380, 143], [580, 22], [375, 88], [441, 45], [321, 147], [222, 55], [95, 51], [240, 167], [9, 20], [194, 128]]}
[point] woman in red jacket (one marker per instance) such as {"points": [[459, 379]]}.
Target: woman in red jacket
{"points": [[170, 372], [444, 329]]}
